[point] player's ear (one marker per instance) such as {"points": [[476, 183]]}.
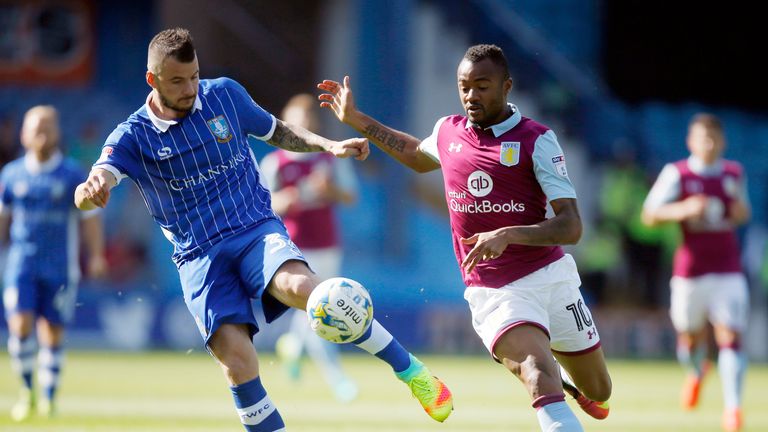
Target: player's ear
{"points": [[150, 79], [507, 85]]}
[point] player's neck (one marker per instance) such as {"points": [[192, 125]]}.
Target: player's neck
{"points": [[161, 111]]}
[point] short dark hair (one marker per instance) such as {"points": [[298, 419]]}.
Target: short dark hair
{"points": [[709, 121], [480, 52], [175, 42]]}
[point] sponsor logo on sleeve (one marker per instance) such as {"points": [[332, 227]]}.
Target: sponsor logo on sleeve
{"points": [[105, 153], [559, 163]]}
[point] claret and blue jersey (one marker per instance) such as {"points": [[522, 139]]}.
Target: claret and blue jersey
{"points": [[198, 175]]}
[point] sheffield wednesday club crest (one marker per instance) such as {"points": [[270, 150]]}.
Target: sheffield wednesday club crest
{"points": [[220, 128]]}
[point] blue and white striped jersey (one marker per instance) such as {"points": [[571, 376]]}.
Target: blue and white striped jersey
{"points": [[198, 175], [44, 220]]}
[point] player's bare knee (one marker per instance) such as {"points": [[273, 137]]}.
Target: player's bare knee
{"points": [[537, 377]]}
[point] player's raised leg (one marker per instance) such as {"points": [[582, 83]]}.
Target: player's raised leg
{"points": [[292, 285], [524, 350]]}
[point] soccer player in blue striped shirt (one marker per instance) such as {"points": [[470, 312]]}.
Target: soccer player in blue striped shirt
{"points": [[43, 267], [186, 150]]}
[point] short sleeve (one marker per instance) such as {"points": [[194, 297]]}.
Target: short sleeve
{"points": [[428, 146], [665, 190], [116, 155], [549, 168], [254, 120]]}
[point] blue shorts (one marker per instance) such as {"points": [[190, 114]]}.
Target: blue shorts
{"points": [[219, 285], [52, 298]]}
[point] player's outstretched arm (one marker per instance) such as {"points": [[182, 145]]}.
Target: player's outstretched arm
{"points": [[401, 146], [94, 192], [297, 139]]}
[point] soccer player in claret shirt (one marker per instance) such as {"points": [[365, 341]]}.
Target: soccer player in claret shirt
{"points": [[707, 196], [43, 268], [499, 170], [186, 150]]}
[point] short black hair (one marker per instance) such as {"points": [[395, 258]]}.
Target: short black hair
{"points": [[176, 42], [480, 52]]}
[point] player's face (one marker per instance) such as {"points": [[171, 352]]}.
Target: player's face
{"points": [[177, 84], [483, 91], [705, 143], [40, 134]]}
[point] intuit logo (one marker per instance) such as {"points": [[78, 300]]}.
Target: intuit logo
{"points": [[479, 183]]}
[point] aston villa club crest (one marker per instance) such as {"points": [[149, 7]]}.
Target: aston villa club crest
{"points": [[509, 154], [220, 128]]}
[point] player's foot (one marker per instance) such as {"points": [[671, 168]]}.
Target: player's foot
{"points": [[25, 407], [288, 349], [689, 396], [598, 410], [732, 421], [46, 408], [432, 394]]}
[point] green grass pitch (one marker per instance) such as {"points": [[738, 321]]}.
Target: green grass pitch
{"points": [[169, 391]]}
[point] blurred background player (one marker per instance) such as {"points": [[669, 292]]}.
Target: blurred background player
{"points": [[43, 267], [187, 150], [306, 187], [707, 196], [500, 169]]}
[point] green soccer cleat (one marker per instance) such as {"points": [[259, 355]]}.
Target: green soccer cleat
{"points": [[432, 394], [25, 407]]}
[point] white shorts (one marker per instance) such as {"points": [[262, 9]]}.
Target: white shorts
{"points": [[548, 298], [721, 298]]}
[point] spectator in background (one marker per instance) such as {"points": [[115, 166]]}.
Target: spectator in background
{"points": [[42, 270], [707, 196], [500, 169], [306, 188]]}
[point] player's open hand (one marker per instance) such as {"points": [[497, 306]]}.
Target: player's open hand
{"points": [[95, 190], [354, 147], [488, 246], [338, 98]]}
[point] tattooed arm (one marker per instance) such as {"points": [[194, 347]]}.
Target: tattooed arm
{"points": [[399, 145], [297, 139]]}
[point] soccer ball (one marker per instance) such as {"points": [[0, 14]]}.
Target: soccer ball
{"points": [[339, 310]]}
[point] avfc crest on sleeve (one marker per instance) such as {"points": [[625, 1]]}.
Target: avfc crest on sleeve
{"points": [[220, 129], [509, 154]]}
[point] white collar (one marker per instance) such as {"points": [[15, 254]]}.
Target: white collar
{"points": [[697, 166], [163, 125], [503, 127], [34, 166]]}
